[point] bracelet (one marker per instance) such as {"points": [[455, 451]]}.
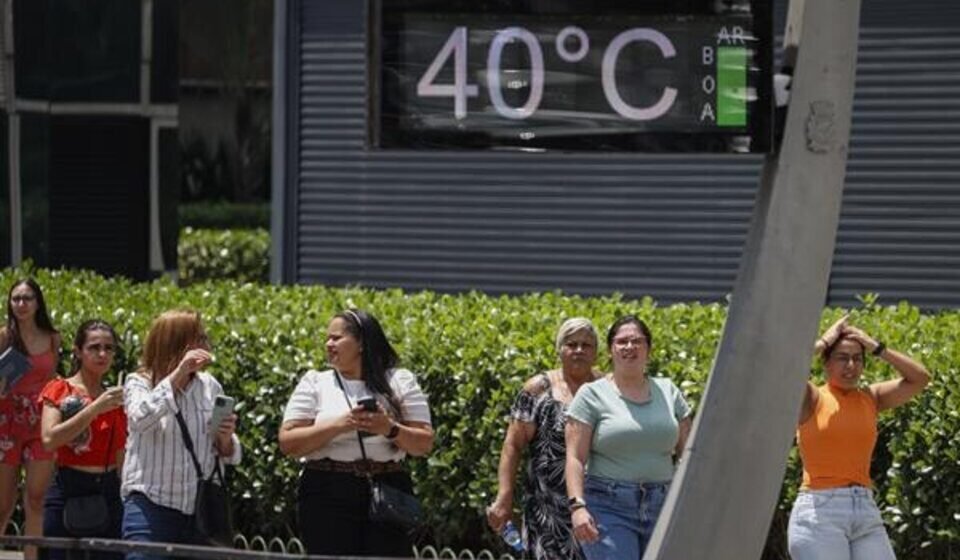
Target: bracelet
{"points": [[394, 431], [575, 503], [881, 347]]}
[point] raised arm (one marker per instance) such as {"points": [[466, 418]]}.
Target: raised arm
{"points": [[894, 392], [56, 432], [824, 341], [146, 405]]}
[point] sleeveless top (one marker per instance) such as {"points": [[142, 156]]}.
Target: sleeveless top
{"points": [[836, 443], [41, 371]]}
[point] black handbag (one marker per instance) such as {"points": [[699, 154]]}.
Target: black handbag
{"points": [[89, 515], [212, 514], [388, 504], [86, 516], [394, 506]]}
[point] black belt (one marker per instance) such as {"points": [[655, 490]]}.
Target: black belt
{"points": [[359, 468]]}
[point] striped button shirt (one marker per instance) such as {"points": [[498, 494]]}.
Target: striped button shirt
{"points": [[157, 463]]}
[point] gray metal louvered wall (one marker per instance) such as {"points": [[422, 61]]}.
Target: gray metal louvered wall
{"points": [[671, 227]]}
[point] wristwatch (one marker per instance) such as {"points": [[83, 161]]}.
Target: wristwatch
{"points": [[575, 503], [879, 349], [394, 431]]}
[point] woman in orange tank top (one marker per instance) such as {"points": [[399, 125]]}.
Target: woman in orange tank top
{"points": [[28, 329], [834, 515]]}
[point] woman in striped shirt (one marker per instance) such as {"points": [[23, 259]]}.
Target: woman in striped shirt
{"points": [[159, 477]]}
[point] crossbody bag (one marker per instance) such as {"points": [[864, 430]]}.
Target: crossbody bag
{"points": [[388, 504]]}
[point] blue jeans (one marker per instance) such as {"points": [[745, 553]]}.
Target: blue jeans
{"points": [[625, 513], [837, 524], [145, 521]]}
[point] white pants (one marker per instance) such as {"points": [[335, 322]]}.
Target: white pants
{"points": [[837, 524]]}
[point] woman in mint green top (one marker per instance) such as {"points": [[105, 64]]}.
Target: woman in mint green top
{"points": [[624, 432]]}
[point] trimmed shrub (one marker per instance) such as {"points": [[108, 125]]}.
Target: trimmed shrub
{"points": [[224, 215], [236, 254], [473, 351]]}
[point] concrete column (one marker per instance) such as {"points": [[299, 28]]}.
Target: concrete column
{"points": [[726, 489]]}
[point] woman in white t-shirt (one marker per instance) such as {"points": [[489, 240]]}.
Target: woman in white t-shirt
{"points": [[364, 397]]}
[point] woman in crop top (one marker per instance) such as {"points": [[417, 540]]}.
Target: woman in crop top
{"points": [[29, 331], [321, 423], [835, 515], [86, 426]]}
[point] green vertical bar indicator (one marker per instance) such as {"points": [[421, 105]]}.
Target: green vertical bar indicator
{"points": [[732, 86]]}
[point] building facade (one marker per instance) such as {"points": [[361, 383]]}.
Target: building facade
{"points": [[88, 135], [668, 226]]}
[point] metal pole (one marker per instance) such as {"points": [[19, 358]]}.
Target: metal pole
{"points": [[725, 491]]}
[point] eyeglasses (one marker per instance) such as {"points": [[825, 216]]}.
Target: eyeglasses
{"points": [[22, 299], [625, 342], [574, 345], [845, 358], [100, 348]]}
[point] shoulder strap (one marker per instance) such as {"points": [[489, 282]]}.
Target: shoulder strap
{"points": [[363, 449], [106, 463], [188, 443]]}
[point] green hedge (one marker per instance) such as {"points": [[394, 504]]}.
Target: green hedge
{"points": [[224, 215], [472, 353], [211, 254]]}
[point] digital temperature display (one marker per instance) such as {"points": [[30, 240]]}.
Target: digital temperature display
{"points": [[653, 75]]}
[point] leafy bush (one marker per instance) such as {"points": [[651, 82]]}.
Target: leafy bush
{"points": [[224, 215], [473, 351], [237, 254]]}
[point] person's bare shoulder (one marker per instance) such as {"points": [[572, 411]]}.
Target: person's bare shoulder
{"points": [[537, 384]]}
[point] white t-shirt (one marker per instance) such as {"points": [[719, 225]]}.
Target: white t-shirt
{"points": [[318, 397]]}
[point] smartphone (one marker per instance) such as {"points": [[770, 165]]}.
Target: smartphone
{"points": [[222, 407], [368, 403]]}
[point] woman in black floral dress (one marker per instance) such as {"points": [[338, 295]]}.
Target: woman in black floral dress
{"points": [[537, 420]]}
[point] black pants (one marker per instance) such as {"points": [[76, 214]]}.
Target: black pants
{"points": [[71, 482], [333, 516]]}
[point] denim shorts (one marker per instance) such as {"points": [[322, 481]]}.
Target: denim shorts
{"points": [[625, 513], [838, 523]]}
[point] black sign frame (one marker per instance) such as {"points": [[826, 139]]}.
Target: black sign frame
{"points": [[386, 130]]}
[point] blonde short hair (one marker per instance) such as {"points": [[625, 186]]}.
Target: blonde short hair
{"points": [[572, 326]]}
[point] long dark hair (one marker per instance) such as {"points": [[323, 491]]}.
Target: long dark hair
{"points": [[377, 356], [42, 317], [80, 339]]}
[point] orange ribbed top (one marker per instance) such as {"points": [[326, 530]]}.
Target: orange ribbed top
{"points": [[836, 442]]}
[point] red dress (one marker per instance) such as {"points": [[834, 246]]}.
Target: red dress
{"points": [[20, 413]]}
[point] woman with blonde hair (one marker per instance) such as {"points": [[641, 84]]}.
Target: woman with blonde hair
{"points": [[168, 400], [537, 422]]}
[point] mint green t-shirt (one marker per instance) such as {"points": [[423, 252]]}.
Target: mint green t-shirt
{"points": [[632, 442]]}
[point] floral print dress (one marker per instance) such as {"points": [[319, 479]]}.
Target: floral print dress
{"points": [[547, 529]]}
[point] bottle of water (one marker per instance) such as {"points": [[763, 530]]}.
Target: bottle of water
{"points": [[511, 536]]}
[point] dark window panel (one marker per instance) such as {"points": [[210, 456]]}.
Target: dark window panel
{"points": [[169, 155], [35, 186], [4, 192], [165, 68], [99, 186]]}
